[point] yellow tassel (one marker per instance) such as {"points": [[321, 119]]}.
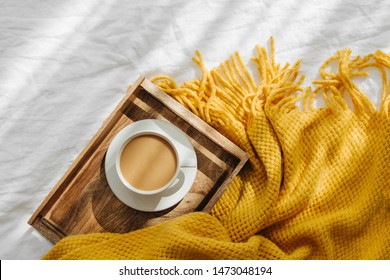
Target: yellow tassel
{"points": [[228, 92]]}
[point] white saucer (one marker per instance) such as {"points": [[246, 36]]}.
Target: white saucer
{"points": [[173, 194]]}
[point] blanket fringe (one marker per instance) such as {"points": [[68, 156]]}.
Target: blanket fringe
{"points": [[228, 93], [334, 86]]}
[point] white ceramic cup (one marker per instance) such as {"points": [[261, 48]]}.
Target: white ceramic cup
{"points": [[165, 137]]}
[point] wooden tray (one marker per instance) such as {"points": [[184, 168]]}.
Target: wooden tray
{"points": [[82, 201]]}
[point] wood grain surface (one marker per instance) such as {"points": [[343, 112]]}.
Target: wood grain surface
{"points": [[82, 201]]}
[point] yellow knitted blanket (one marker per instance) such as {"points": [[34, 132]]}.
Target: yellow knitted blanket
{"points": [[318, 182]]}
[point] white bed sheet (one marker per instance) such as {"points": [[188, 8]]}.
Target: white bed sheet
{"points": [[64, 65]]}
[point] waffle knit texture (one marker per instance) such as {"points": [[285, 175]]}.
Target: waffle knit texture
{"points": [[317, 185]]}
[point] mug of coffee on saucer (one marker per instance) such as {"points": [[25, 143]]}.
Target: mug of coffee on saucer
{"points": [[148, 162], [150, 165]]}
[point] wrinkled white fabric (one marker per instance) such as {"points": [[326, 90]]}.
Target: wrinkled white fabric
{"points": [[64, 65]]}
